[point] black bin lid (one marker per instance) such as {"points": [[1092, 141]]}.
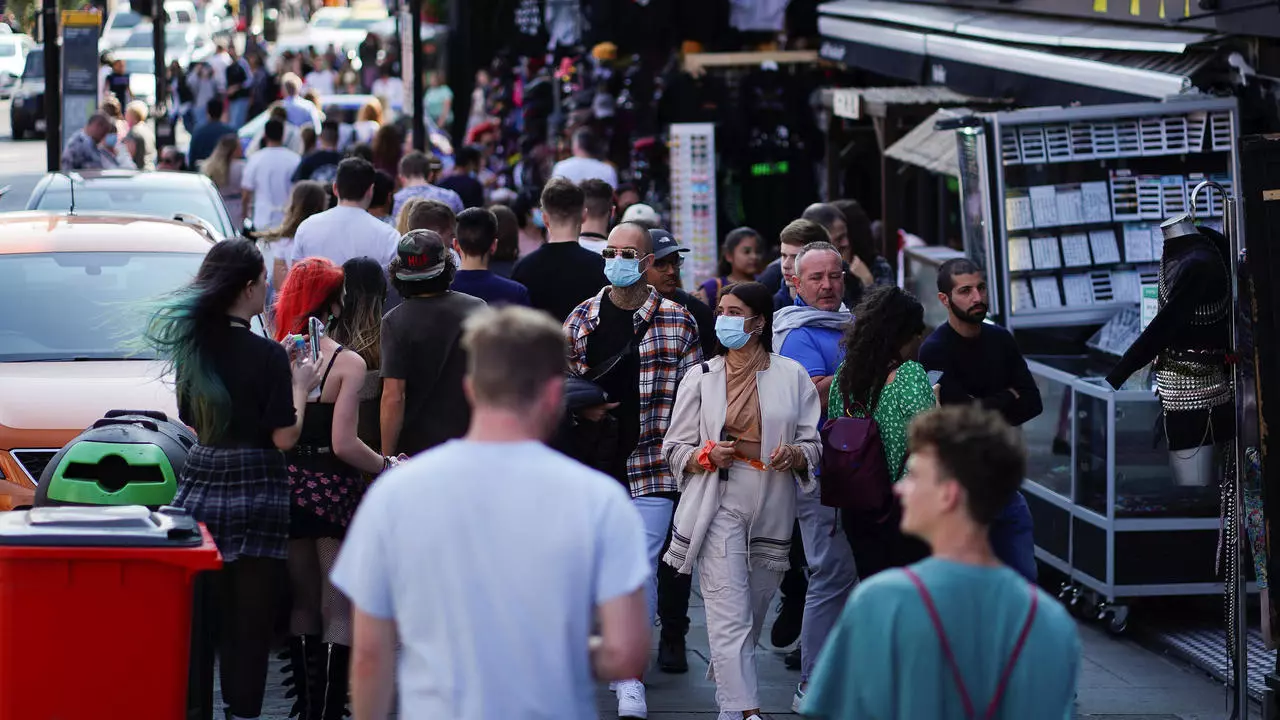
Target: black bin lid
{"points": [[120, 526]]}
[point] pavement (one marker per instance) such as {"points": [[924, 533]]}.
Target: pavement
{"points": [[1119, 680]]}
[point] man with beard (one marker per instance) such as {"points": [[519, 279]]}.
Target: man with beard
{"points": [[981, 363]]}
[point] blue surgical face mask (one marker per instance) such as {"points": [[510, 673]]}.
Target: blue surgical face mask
{"points": [[538, 220], [731, 333], [622, 272]]}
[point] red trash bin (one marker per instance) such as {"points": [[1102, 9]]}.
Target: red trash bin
{"points": [[95, 611]]}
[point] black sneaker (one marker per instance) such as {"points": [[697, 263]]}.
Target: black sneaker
{"points": [[786, 629], [672, 655], [792, 660]]}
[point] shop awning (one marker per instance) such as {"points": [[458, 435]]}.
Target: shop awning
{"points": [[993, 54], [927, 147]]}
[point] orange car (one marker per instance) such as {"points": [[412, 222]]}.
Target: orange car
{"points": [[75, 291]]}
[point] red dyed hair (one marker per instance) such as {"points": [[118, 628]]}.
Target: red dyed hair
{"points": [[309, 287]]}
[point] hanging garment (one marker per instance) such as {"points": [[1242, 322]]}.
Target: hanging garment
{"points": [[758, 15], [563, 20]]}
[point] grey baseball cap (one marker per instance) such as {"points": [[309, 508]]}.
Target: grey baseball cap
{"points": [[664, 244]]}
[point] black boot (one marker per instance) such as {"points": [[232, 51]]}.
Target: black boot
{"points": [[337, 669], [300, 675], [672, 654]]}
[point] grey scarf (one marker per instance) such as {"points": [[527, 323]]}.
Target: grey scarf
{"points": [[793, 317]]}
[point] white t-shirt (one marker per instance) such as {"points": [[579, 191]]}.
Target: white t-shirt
{"points": [[268, 173], [594, 244], [322, 81], [578, 169], [390, 89], [341, 233], [492, 559]]}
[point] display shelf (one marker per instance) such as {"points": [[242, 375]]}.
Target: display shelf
{"points": [[693, 197], [1076, 195]]}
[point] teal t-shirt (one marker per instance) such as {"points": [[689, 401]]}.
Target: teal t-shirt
{"points": [[883, 660]]}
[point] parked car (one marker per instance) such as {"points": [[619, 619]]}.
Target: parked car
{"points": [[123, 21], [13, 59], [26, 111], [186, 44], [70, 355], [166, 195], [344, 25]]}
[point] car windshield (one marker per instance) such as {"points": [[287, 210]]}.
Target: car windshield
{"points": [[8, 49], [84, 306], [153, 199], [125, 19], [324, 22], [358, 23], [35, 65], [140, 66], [143, 38]]}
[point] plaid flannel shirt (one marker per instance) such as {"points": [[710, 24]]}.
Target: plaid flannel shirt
{"points": [[667, 351]]}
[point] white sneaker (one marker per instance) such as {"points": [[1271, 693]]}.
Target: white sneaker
{"points": [[631, 702], [798, 699]]}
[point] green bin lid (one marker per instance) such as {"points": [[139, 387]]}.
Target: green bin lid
{"points": [[119, 526]]}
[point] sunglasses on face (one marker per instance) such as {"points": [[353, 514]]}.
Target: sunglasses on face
{"points": [[624, 253]]}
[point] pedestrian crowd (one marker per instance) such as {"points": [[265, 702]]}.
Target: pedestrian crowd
{"points": [[489, 446]]}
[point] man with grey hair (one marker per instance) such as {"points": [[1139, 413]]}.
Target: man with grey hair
{"points": [[810, 332], [409, 562]]}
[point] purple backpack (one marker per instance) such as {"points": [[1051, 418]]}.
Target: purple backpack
{"points": [[854, 475]]}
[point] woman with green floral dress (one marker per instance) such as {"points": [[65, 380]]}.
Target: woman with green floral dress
{"points": [[879, 372]]}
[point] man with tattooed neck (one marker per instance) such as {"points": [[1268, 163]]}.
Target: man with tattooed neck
{"points": [[636, 346]]}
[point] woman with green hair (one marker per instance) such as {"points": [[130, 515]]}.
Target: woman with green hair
{"points": [[245, 398]]}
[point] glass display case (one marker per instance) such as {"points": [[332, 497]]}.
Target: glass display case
{"points": [[1105, 509]]}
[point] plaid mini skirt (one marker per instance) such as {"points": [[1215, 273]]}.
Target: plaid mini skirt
{"points": [[242, 496]]}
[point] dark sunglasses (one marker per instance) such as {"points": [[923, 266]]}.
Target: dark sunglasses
{"points": [[624, 253], [671, 261]]}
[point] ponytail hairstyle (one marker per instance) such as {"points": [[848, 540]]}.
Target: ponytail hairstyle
{"points": [[313, 286], [185, 324]]}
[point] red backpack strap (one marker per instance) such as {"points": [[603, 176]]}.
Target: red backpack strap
{"points": [[1013, 657], [942, 640]]}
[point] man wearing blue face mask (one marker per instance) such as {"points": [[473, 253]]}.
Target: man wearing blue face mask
{"points": [[809, 332], [636, 346], [561, 273]]}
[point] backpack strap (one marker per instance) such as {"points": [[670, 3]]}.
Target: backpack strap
{"points": [[950, 657]]}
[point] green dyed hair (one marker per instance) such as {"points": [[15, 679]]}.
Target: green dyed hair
{"points": [[185, 324]]}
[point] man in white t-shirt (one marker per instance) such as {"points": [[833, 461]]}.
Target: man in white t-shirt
{"points": [[322, 79], [347, 230], [267, 178], [584, 165], [489, 558]]}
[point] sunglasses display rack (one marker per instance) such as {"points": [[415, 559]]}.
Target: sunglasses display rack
{"points": [[1073, 199], [693, 198]]}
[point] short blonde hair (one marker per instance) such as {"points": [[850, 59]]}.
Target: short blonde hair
{"points": [[137, 109], [402, 219], [512, 354], [291, 84]]}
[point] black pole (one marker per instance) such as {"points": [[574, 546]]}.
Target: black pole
{"points": [[418, 85], [52, 86], [461, 73], [162, 82]]}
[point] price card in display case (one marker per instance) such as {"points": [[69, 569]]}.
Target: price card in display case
{"points": [[1105, 249], [1017, 211], [1044, 251], [1020, 254], [1126, 286], [1070, 206], [1078, 289], [1137, 243], [1097, 202], [1044, 206], [1075, 250], [1022, 298], [1046, 292]]}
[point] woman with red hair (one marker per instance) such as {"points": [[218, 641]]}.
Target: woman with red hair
{"points": [[326, 484]]}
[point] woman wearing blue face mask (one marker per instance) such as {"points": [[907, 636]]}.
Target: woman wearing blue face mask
{"points": [[744, 431]]}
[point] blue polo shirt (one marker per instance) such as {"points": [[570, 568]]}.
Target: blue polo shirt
{"points": [[816, 348]]}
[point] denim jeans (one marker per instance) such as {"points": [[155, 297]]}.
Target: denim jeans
{"points": [[832, 575], [1012, 540], [239, 112], [655, 513]]}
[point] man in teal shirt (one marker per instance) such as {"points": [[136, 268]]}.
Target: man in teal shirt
{"points": [[887, 658]]}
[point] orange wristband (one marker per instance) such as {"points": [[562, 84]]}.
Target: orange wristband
{"points": [[704, 457]]}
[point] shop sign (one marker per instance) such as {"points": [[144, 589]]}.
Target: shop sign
{"points": [[1150, 303], [846, 104]]}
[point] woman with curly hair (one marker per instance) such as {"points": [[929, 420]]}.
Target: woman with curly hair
{"points": [[327, 472], [881, 378]]}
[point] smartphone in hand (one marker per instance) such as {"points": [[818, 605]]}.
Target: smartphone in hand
{"points": [[934, 376]]}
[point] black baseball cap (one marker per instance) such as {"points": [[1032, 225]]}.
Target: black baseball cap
{"points": [[423, 256], [664, 244]]}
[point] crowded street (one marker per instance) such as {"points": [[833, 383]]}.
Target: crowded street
{"points": [[661, 360]]}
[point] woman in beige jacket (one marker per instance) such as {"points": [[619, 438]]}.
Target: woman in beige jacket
{"points": [[743, 432]]}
